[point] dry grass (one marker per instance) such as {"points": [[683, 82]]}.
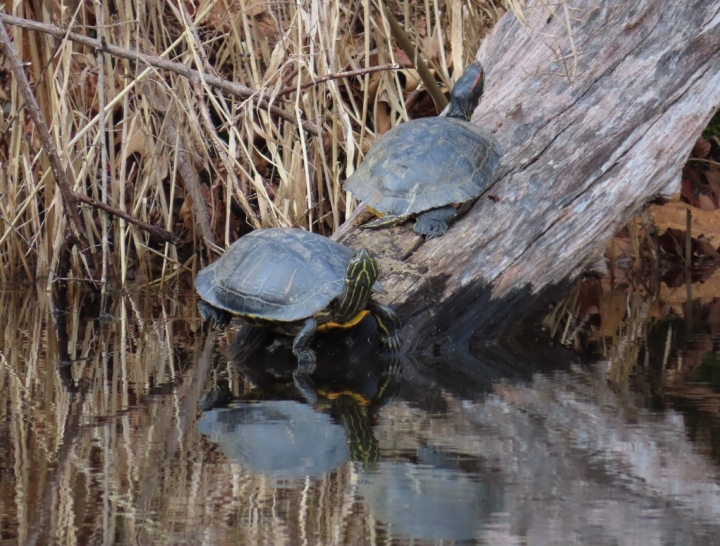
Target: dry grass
{"points": [[180, 154]]}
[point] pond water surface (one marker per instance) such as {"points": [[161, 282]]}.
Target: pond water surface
{"points": [[139, 426]]}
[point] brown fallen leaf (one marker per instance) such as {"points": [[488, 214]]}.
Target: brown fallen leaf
{"points": [[673, 215]]}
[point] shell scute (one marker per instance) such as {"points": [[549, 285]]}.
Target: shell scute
{"points": [[424, 164], [278, 274]]}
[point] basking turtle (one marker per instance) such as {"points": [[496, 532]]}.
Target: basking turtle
{"points": [[423, 166], [296, 283]]}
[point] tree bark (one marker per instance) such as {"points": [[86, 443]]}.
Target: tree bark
{"points": [[596, 108]]}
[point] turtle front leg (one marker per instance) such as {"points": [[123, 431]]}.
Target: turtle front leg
{"points": [[389, 220], [305, 386], [434, 222], [218, 318], [307, 361], [388, 324]]}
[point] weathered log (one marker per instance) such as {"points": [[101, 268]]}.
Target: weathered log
{"points": [[596, 108]]}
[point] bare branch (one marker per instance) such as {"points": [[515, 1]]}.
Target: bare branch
{"points": [[68, 196], [236, 89], [158, 232], [338, 76]]}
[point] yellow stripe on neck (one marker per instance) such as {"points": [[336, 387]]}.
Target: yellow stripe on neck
{"points": [[343, 325]]}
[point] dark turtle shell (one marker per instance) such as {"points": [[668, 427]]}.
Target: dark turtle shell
{"points": [[278, 275], [424, 164]]}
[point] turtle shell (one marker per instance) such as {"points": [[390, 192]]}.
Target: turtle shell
{"points": [[424, 164], [278, 274]]}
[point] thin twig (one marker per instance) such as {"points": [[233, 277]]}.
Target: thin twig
{"points": [[338, 76], [708, 161], [160, 233]]}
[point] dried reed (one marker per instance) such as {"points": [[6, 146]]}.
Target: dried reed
{"points": [[206, 161]]}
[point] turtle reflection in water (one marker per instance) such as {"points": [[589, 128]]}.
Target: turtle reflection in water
{"points": [[296, 283], [423, 166], [284, 438], [425, 492], [278, 438]]}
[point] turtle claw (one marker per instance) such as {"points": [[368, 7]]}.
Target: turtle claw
{"points": [[307, 364], [388, 325], [434, 223], [432, 229], [392, 342]]}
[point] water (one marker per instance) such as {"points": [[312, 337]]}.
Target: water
{"points": [[137, 426]]}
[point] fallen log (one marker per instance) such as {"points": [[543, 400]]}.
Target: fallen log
{"points": [[596, 109]]}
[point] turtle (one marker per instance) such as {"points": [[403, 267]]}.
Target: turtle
{"points": [[421, 167], [296, 283]]}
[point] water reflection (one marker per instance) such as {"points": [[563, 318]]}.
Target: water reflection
{"points": [[280, 438], [279, 430], [424, 501], [147, 429]]}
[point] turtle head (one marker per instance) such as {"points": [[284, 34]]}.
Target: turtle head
{"points": [[360, 276], [466, 93]]}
